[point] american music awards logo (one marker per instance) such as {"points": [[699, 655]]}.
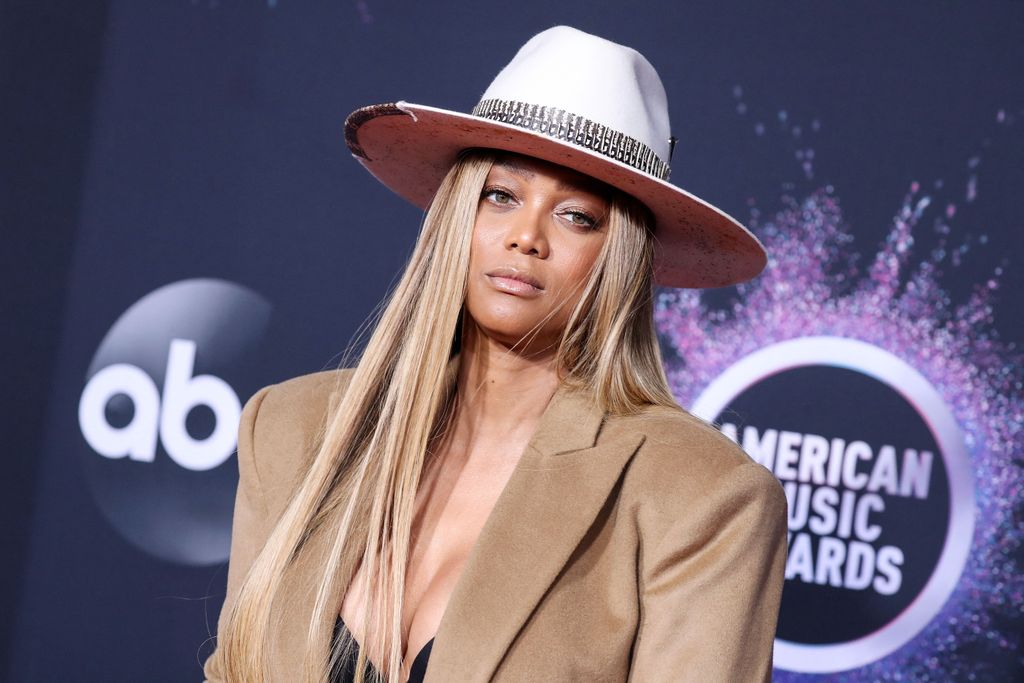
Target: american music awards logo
{"points": [[892, 417], [881, 509]]}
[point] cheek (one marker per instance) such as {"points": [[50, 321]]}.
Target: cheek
{"points": [[578, 268], [486, 237], [585, 263]]}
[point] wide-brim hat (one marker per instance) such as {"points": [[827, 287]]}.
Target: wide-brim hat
{"points": [[580, 101]]}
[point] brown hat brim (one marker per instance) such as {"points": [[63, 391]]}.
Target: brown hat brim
{"points": [[410, 148]]}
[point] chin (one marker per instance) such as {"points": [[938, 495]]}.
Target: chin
{"points": [[511, 334], [508, 319]]}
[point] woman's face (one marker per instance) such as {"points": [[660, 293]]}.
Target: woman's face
{"points": [[539, 229]]}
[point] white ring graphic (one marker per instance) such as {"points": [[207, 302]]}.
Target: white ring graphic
{"points": [[874, 362]]}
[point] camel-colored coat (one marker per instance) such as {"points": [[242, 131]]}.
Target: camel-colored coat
{"points": [[645, 548]]}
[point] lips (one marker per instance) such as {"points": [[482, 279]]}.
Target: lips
{"points": [[514, 281], [507, 273]]}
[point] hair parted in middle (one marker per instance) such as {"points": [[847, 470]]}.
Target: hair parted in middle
{"points": [[400, 401]]}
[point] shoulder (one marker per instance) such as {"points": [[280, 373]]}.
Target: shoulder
{"points": [[676, 442], [299, 402], [280, 426], [685, 465]]}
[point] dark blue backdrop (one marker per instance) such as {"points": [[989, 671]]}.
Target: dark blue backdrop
{"points": [[148, 143]]}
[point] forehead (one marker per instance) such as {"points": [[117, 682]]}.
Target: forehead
{"points": [[530, 168]]}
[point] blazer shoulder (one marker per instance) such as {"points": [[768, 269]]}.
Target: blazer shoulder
{"points": [[684, 456], [285, 431], [681, 438]]}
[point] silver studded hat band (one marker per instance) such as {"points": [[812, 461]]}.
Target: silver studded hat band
{"points": [[576, 130]]}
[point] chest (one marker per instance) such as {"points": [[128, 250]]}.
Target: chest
{"points": [[452, 505]]}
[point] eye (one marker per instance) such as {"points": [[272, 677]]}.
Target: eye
{"points": [[497, 195], [580, 218]]}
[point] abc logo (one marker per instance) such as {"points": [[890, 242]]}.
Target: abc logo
{"points": [[182, 392], [159, 416]]}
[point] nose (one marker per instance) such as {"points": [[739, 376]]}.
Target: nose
{"points": [[527, 234]]}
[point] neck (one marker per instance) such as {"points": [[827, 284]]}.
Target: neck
{"points": [[501, 394]]}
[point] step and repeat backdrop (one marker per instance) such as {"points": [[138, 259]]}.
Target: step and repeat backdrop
{"points": [[226, 240]]}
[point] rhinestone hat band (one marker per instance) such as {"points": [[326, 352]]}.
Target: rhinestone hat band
{"points": [[577, 130]]}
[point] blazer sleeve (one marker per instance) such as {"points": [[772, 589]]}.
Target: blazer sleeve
{"points": [[249, 527], [711, 586]]}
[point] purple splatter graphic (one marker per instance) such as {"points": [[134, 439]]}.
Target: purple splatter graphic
{"points": [[813, 286]]}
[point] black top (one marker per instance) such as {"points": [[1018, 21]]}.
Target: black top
{"points": [[346, 670]]}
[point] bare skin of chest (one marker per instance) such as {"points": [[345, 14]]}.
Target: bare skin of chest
{"points": [[453, 502]]}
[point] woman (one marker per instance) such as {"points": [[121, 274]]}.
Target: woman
{"points": [[504, 488]]}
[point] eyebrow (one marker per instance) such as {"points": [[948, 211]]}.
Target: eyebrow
{"points": [[516, 168], [593, 187]]}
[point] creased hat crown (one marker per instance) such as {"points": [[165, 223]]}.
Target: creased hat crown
{"points": [[591, 77]]}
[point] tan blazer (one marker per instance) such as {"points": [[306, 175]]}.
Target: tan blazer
{"points": [[643, 548]]}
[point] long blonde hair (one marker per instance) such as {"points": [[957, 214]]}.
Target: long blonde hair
{"points": [[401, 397]]}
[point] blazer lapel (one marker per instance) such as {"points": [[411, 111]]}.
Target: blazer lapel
{"points": [[555, 492]]}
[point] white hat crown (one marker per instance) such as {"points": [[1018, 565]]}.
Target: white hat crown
{"points": [[587, 90]]}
